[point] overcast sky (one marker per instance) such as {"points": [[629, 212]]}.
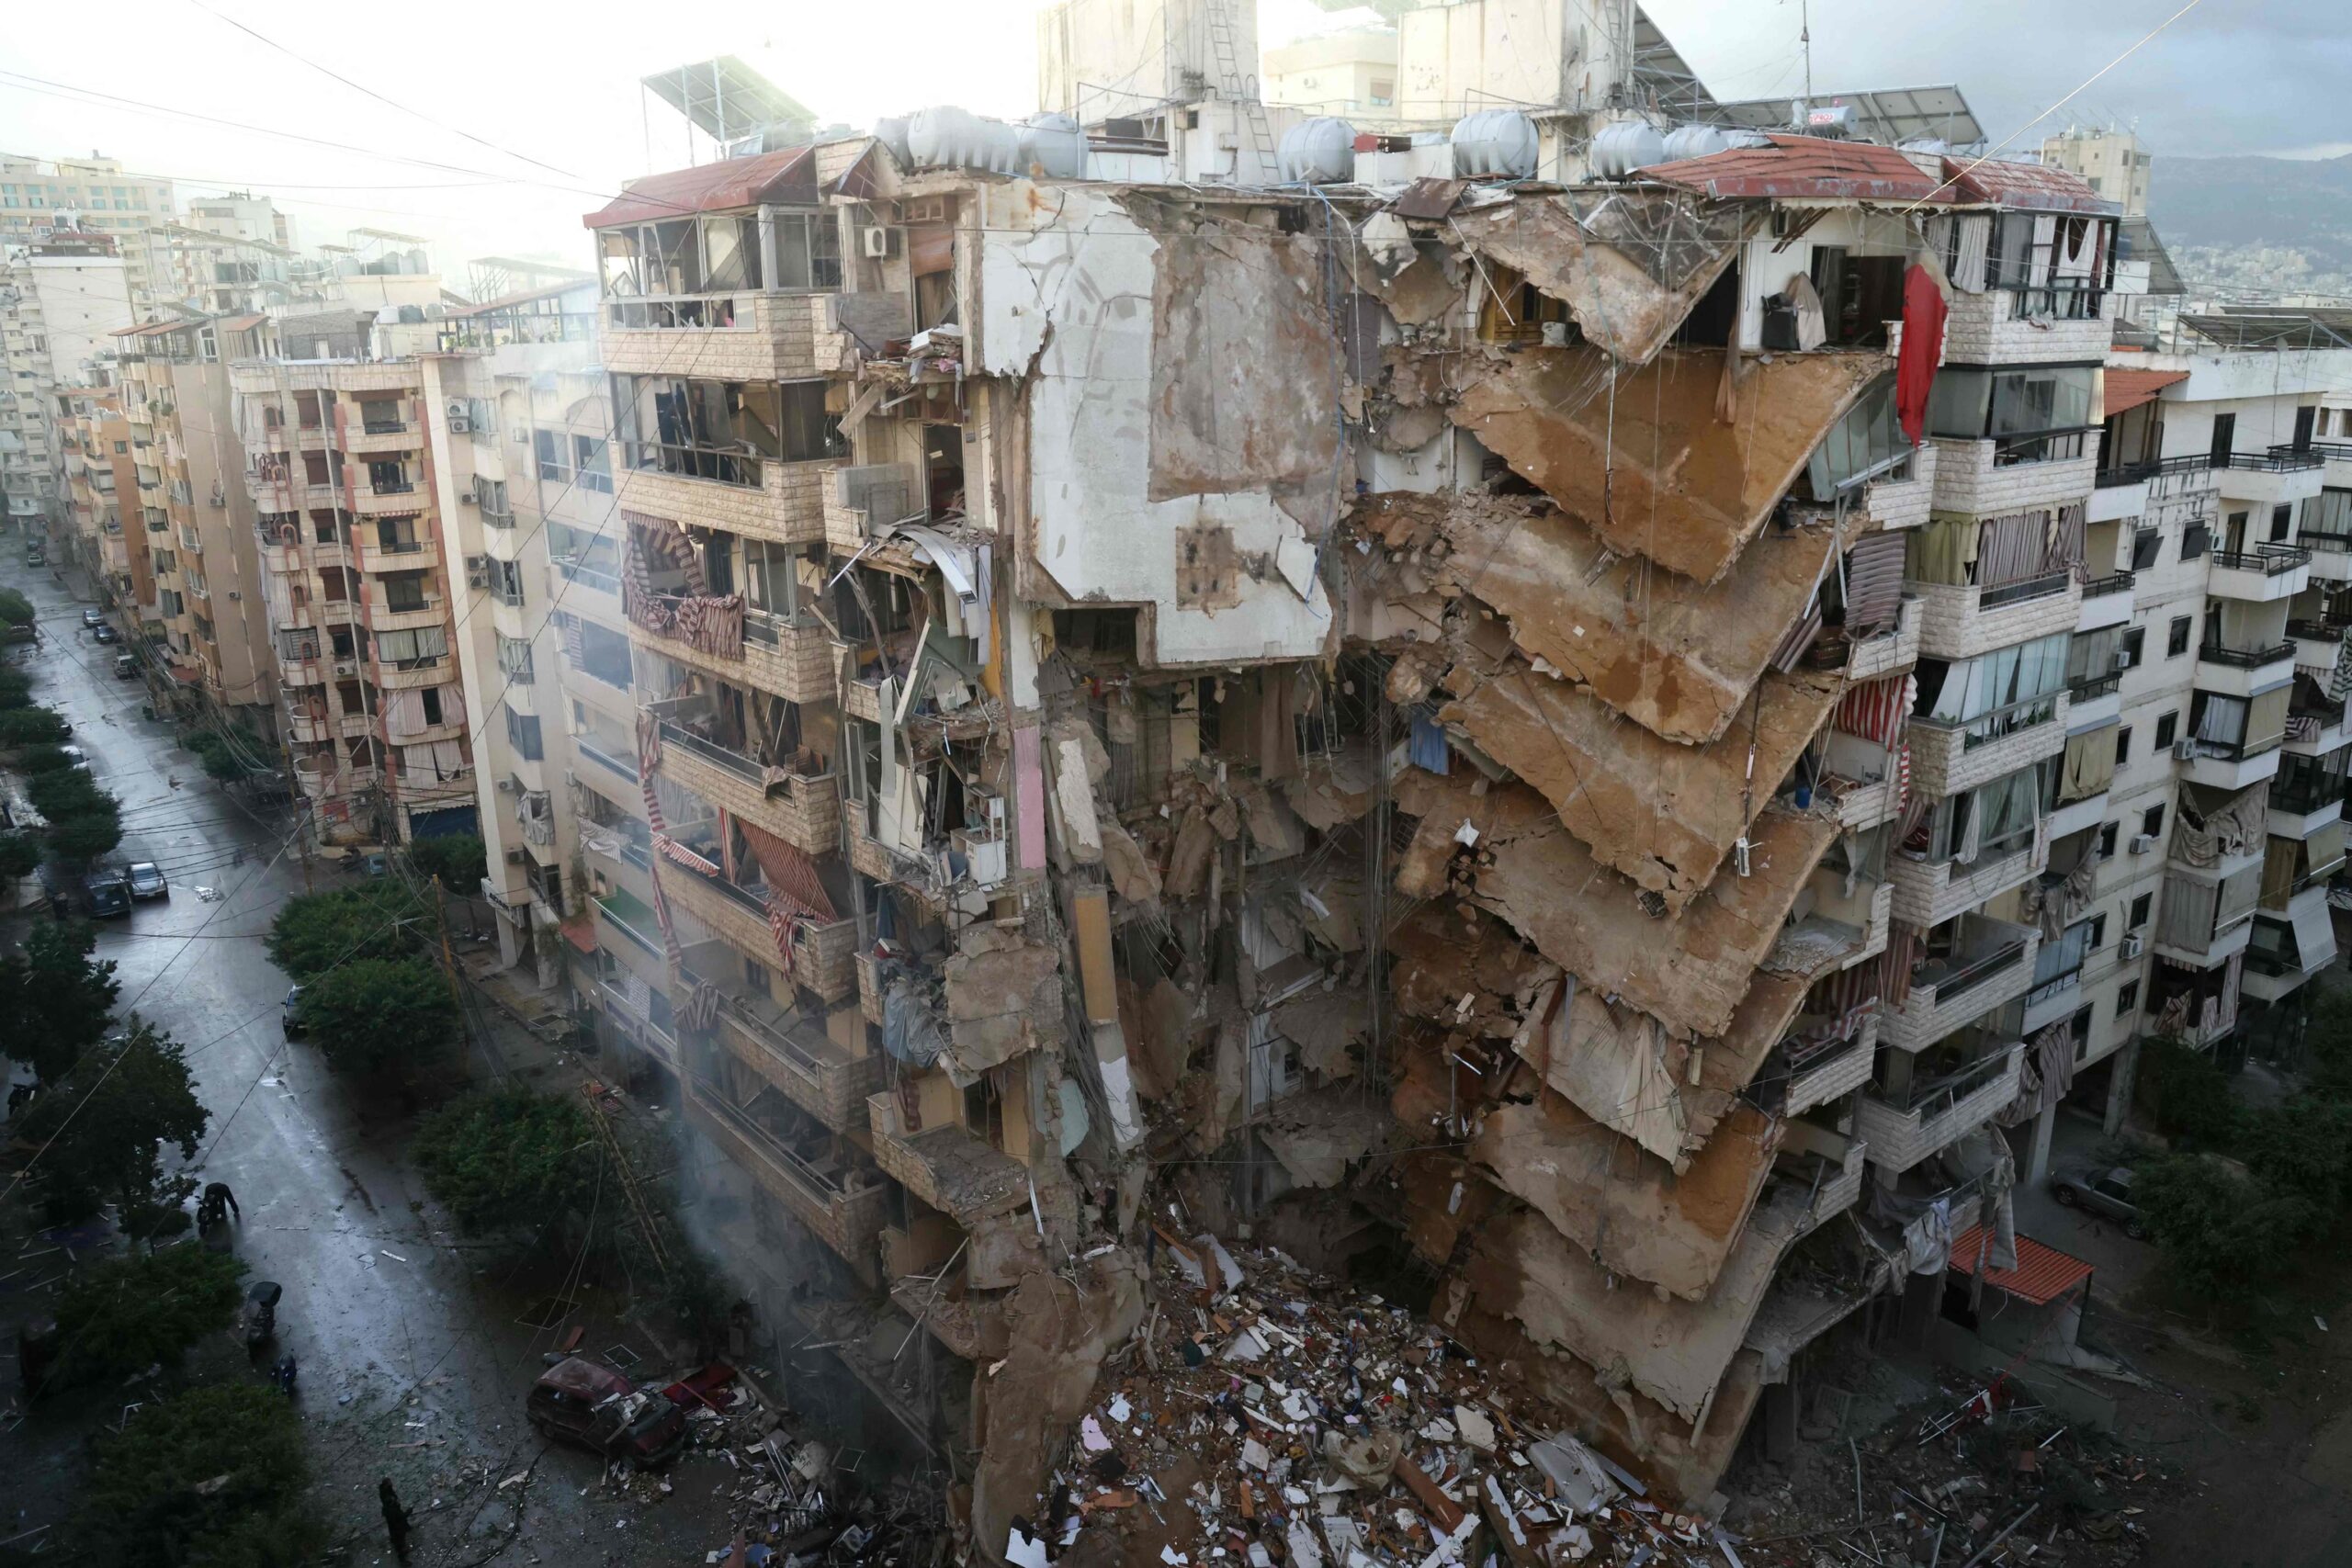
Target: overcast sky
{"points": [[552, 88]]}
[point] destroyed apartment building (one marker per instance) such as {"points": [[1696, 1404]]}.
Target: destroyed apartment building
{"points": [[1514, 721]]}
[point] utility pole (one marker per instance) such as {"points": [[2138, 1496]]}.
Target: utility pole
{"points": [[449, 963]]}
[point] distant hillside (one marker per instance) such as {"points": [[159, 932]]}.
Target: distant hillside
{"points": [[2257, 223]]}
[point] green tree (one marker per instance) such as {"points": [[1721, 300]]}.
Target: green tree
{"points": [[213, 1477], [55, 999], [16, 610], [2188, 1092], [224, 758], [2301, 1147], [457, 859], [32, 726], [66, 794], [102, 1128], [19, 855], [40, 757], [504, 1159], [373, 1013], [2224, 1236], [318, 931], [126, 1314], [15, 688], [83, 836]]}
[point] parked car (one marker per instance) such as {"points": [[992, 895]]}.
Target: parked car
{"points": [[76, 756], [591, 1405], [126, 665], [290, 1011], [91, 619], [106, 634], [2102, 1189], [36, 555], [147, 880], [106, 892]]}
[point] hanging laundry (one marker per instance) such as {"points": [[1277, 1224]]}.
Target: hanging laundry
{"points": [[1923, 348]]}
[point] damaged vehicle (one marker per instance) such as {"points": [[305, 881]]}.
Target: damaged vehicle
{"points": [[591, 1406]]}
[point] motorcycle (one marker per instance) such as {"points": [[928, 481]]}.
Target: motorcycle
{"points": [[282, 1374], [261, 1312]]}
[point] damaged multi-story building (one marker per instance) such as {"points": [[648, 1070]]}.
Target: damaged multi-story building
{"points": [[1504, 701]]}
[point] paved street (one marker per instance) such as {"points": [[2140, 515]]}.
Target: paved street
{"points": [[414, 1357]]}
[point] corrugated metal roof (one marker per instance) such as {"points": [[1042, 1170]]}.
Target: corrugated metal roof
{"points": [[788, 176], [2130, 389], [2043, 1274], [2033, 187], [1802, 166]]}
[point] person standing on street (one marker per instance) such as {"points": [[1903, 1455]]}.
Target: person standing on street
{"points": [[395, 1517]]}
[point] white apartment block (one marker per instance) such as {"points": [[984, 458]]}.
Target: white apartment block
{"points": [[62, 298]]}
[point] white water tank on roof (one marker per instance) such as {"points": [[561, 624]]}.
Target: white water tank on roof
{"points": [[1320, 152], [891, 131], [1621, 147], [1694, 141], [951, 138], [1053, 147], [1495, 144]]}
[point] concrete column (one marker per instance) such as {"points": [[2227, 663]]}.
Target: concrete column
{"points": [[2037, 1160], [2119, 1087], [1778, 1416]]}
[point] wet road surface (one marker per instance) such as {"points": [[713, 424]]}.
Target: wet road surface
{"points": [[414, 1352]]}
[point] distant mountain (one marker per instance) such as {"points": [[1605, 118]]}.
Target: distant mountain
{"points": [[2256, 223]]}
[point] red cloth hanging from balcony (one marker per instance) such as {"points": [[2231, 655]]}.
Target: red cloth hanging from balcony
{"points": [[1923, 348]]}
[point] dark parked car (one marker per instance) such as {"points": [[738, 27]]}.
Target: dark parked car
{"points": [[290, 1011], [147, 880], [107, 891], [106, 634], [2103, 1190], [590, 1405]]}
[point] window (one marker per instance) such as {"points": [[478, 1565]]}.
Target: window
{"points": [[549, 445], [807, 251], [704, 430], [432, 704], [2122, 745], [403, 591], [506, 580], [2099, 932], [2106, 840], [2195, 540], [2176, 639], [2225, 435], [523, 729], [2135, 642], [2166, 728], [2282, 518], [2151, 821], [807, 431], [2142, 908], [593, 461], [2005, 405], [514, 660], [2127, 997], [1867, 440]]}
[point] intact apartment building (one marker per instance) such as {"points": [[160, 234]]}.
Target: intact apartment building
{"points": [[61, 298], [95, 195]]}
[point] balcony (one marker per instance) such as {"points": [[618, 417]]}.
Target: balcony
{"points": [[2279, 476], [1901, 1133], [190, 540], [1992, 477], [386, 615], [823, 956], [2203, 922], [2230, 765], [2026, 326], [2241, 671], [1949, 757], [947, 1168], [749, 335], [1891, 650], [612, 762], [2259, 576], [635, 923], [375, 438], [1994, 968], [841, 1204], [2331, 554], [807, 1067], [1963, 620], [592, 577], [2289, 946], [636, 1022], [400, 555], [803, 809], [972, 1328], [1835, 1072], [2106, 601], [782, 502]]}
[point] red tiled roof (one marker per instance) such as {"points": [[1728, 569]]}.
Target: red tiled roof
{"points": [[2130, 389], [788, 176], [2036, 187], [2042, 1276], [1804, 167]]}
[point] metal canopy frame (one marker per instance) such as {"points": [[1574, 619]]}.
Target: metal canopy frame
{"points": [[724, 98], [1888, 115]]}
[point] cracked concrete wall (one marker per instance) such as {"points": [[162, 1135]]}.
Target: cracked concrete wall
{"points": [[1126, 409]]}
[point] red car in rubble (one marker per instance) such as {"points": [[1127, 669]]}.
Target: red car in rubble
{"points": [[593, 1406]]}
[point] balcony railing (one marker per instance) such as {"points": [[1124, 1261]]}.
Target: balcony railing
{"points": [[594, 753], [2305, 793], [2340, 450], [2278, 460], [2271, 560], [711, 752], [2056, 447], [2125, 474], [2095, 686], [593, 576], [2318, 631], [2244, 658], [2020, 592], [1974, 972], [2113, 583], [1998, 725]]}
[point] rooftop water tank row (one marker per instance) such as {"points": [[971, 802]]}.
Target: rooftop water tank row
{"points": [[951, 138], [1495, 144], [1319, 151]]}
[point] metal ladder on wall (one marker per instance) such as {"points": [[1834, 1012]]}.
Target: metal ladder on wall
{"points": [[1241, 89]]}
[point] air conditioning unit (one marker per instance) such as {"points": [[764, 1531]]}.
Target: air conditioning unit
{"points": [[2143, 842], [2132, 943], [460, 425], [515, 857], [510, 786], [878, 242], [477, 571], [347, 667], [2184, 750]]}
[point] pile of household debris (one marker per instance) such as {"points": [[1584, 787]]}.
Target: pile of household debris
{"points": [[1978, 1474], [1265, 1415]]}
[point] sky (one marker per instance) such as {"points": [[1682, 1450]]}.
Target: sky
{"points": [[494, 124]]}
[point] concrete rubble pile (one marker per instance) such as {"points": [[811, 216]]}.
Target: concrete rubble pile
{"points": [[1266, 1414]]}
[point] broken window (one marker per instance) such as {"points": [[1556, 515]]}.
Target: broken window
{"points": [[2035, 414], [1859, 295], [705, 430], [805, 432], [807, 251], [1512, 309], [1866, 443], [2005, 683]]}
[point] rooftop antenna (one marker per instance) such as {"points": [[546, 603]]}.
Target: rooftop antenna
{"points": [[1804, 42]]}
